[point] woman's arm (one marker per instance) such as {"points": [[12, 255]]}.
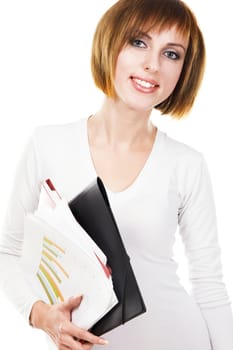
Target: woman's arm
{"points": [[24, 198], [198, 228], [55, 320]]}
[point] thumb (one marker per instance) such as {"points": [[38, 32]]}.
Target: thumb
{"points": [[73, 302]]}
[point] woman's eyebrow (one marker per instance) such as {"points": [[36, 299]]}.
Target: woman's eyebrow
{"points": [[146, 35], [177, 44], [143, 35]]}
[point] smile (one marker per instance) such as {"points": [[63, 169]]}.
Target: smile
{"points": [[144, 85]]}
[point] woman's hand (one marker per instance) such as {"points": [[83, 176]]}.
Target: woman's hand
{"points": [[55, 320]]}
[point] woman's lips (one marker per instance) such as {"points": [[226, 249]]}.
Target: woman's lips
{"points": [[144, 85]]}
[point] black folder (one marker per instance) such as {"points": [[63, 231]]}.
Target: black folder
{"points": [[92, 210]]}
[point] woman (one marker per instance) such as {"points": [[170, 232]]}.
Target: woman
{"points": [[146, 54]]}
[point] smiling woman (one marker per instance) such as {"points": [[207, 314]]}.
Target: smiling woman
{"points": [[148, 59], [123, 23], [142, 58]]}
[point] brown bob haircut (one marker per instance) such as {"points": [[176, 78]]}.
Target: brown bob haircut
{"points": [[121, 23]]}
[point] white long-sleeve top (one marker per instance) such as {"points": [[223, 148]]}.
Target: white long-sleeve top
{"points": [[173, 189]]}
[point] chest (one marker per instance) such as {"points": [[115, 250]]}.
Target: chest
{"points": [[119, 169], [147, 216]]}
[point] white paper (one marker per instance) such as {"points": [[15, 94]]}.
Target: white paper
{"points": [[60, 260]]}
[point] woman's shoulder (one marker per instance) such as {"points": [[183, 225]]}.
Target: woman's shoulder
{"points": [[60, 131], [180, 151], [56, 139]]}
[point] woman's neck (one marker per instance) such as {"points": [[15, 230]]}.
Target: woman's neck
{"points": [[117, 126]]}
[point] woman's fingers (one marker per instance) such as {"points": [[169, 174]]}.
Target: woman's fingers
{"points": [[74, 331], [63, 347], [67, 342], [87, 346], [80, 334], [64, 333], [72, 303]]}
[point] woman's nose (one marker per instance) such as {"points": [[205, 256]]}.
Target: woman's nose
{"points": [[151, 63]]}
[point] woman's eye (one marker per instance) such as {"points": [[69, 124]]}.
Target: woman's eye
{"points": [[138, 43], [172, 55]]}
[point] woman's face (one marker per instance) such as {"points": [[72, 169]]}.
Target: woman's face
{"points": [[148, 68]]}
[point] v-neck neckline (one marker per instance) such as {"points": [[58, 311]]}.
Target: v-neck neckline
{"points": [[141, 173]]}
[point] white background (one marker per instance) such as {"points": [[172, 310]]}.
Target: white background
{"points": [[45, 78]]}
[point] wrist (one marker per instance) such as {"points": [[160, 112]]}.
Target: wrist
{"points": [[37, 315]]}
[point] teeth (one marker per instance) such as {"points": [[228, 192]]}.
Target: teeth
{"points": [[144, 83]]}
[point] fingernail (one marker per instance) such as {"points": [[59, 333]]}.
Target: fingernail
{"points": [[76, 297], [103, 341]]}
